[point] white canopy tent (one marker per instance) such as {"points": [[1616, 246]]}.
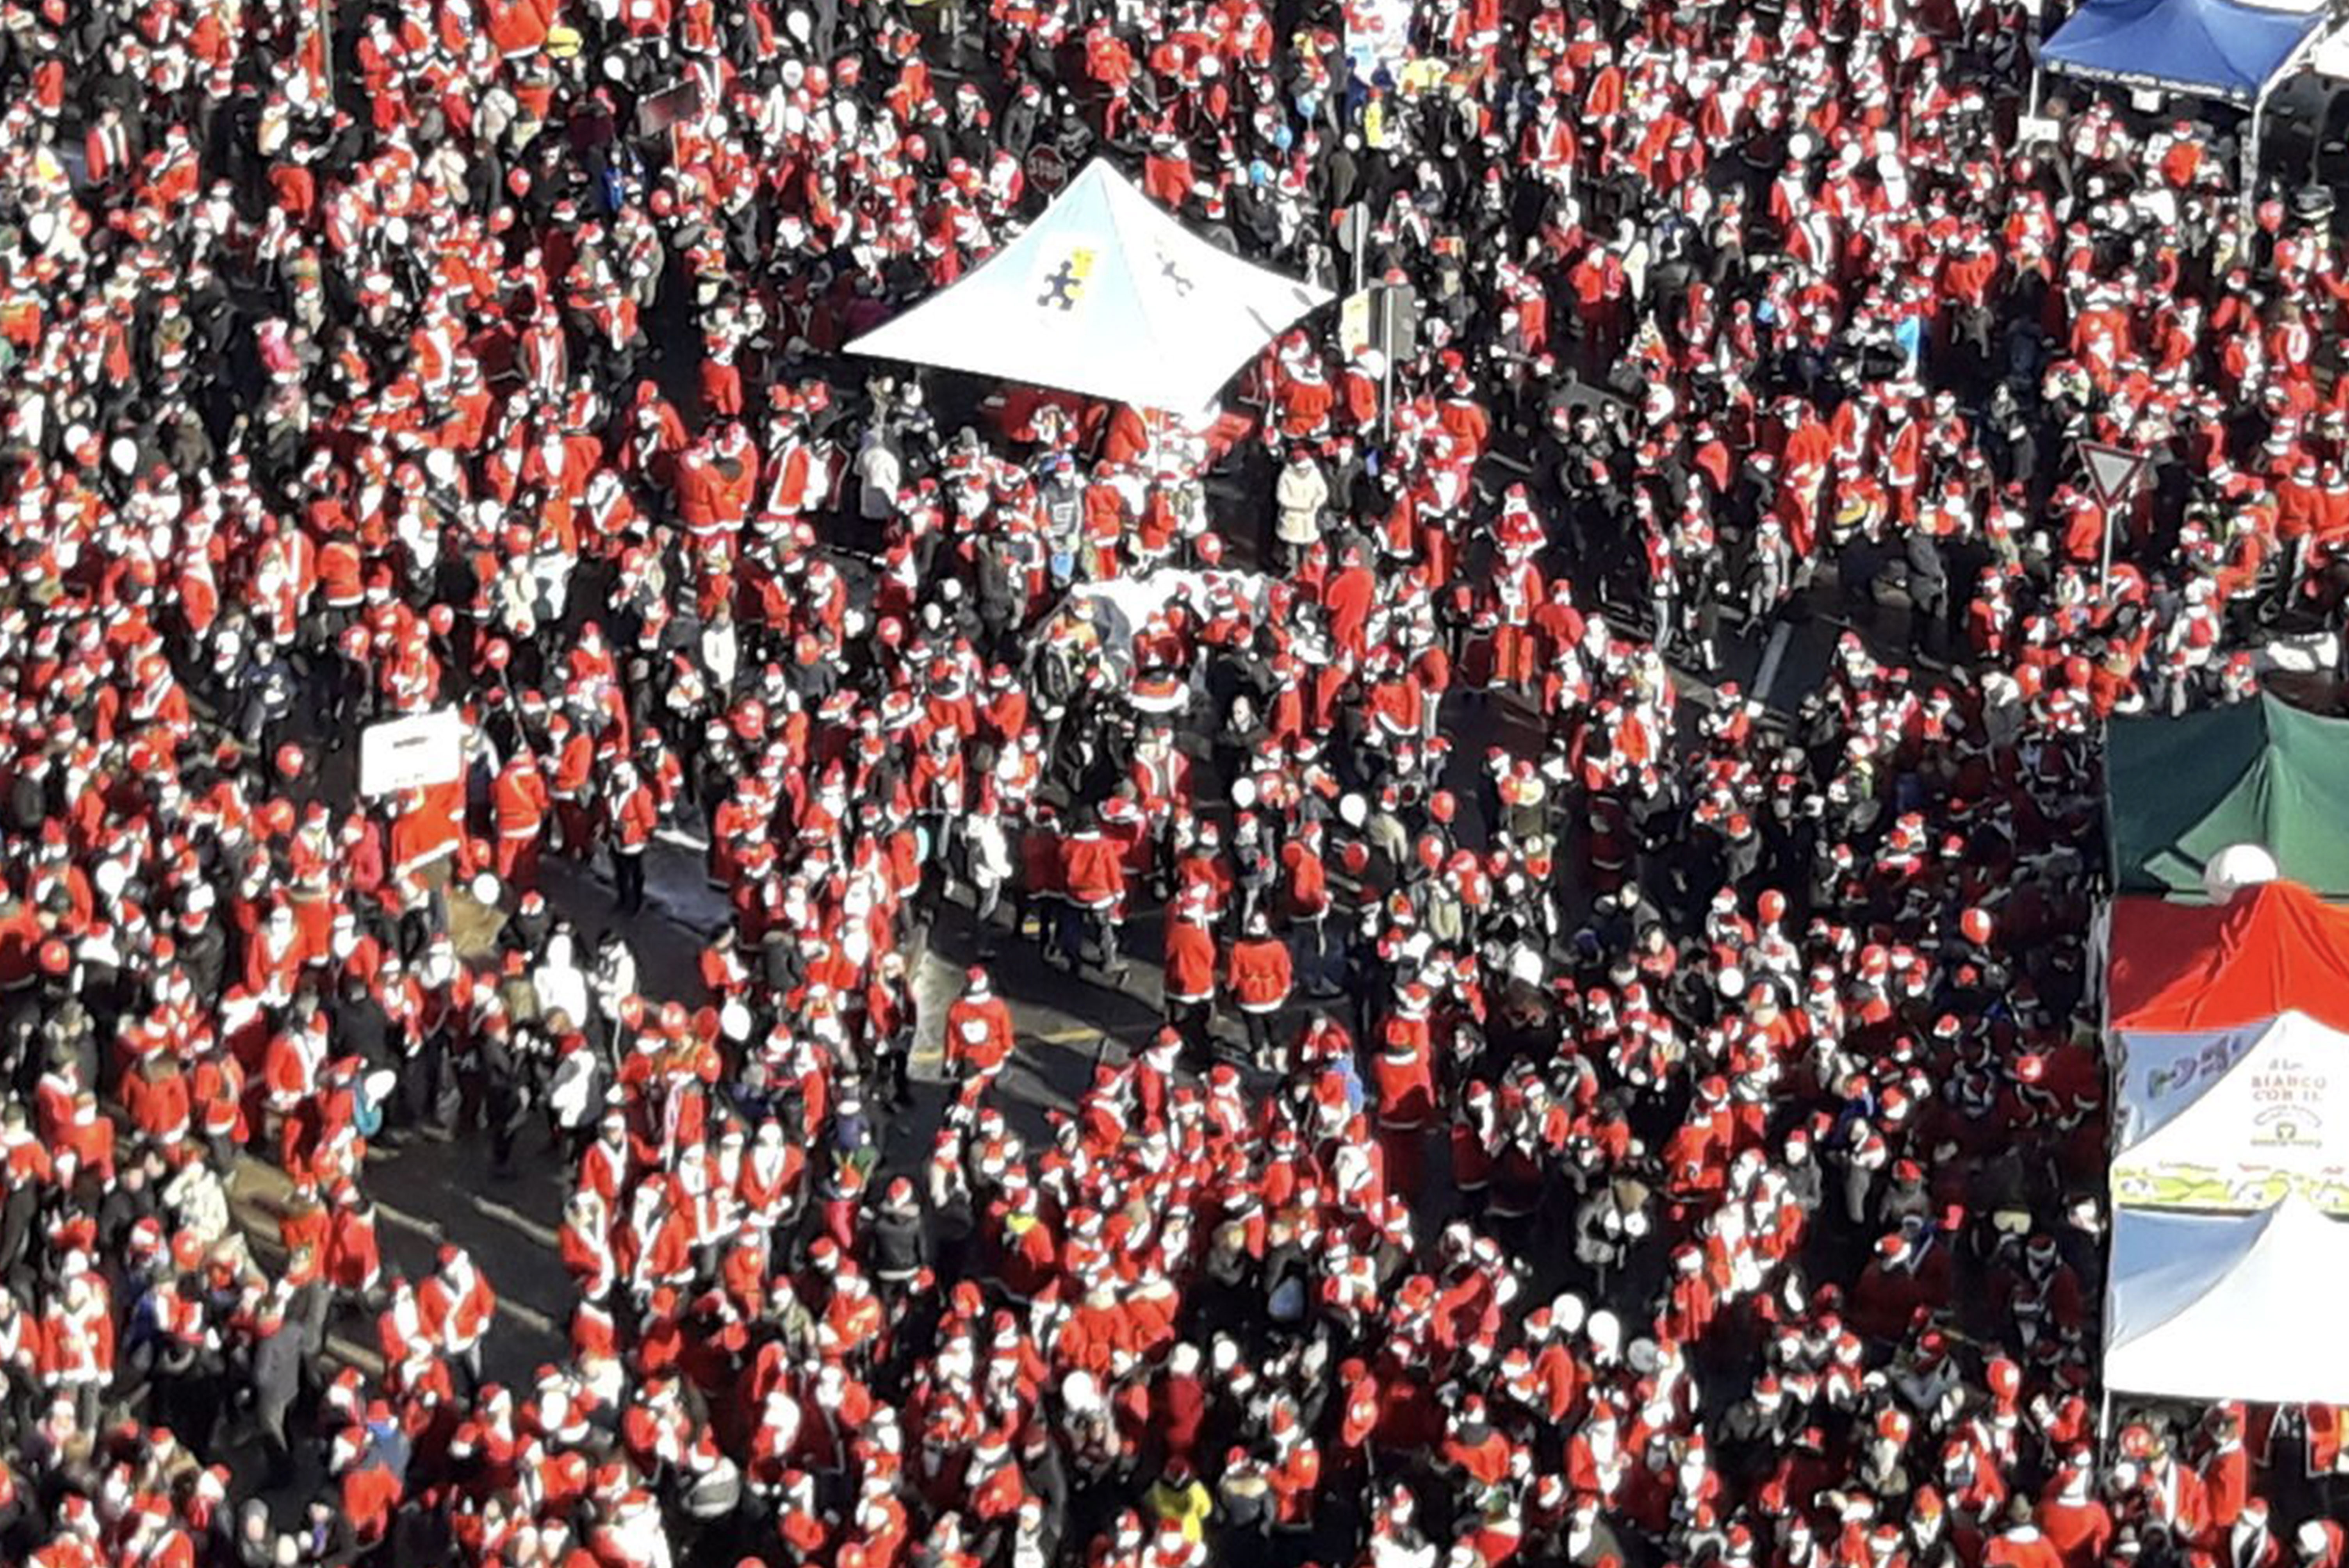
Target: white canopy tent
{"points": [[2234, 1118], [1104, 294], [2228, 1306]]}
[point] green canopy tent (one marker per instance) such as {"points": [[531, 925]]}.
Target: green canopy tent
{"points": [[2179, 790]]}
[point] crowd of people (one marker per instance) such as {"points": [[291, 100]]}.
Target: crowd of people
{"points": [[1598, 1120]]}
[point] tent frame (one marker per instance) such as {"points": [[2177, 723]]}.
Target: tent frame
{"points": [[2249, 173], [2289, 67]]}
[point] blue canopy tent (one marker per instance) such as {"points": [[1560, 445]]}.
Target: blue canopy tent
{"points": [[2212, 48], [2223, 49]]}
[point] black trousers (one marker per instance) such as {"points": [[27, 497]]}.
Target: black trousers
{"points": [[628, 879], [1191, 1020]]}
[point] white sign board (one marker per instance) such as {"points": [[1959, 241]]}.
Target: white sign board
{"points": [[1133, 599], [1378, 33], [411, 753], [2331, 56], [1354, 322]]}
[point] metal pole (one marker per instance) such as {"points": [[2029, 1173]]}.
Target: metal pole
{"points": [[2104, 571], [1386, 360], [326, 23]]}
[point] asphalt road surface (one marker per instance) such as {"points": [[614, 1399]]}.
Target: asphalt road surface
{"points": [[430, 1193]]}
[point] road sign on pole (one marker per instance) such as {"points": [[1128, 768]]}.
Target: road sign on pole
{"points": [[2112, 471], [1354, 322], [2113, 474]]}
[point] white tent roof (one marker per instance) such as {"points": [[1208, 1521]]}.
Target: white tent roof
{"points": [[1104, 294], [2231, 1118], [2228, 1306]]}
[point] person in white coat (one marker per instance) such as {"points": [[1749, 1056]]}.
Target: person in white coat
{"points": [[1300, 496]]}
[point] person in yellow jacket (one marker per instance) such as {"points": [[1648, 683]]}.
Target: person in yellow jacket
{"points": [[1177, 1497]]}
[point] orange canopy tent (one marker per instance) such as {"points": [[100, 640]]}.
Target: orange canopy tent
{"points": [[2203, 966]]}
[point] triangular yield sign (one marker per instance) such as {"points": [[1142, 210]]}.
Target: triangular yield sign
{"points": [[2113, 470]]}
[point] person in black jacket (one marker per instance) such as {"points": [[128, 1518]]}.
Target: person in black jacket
{"points": [[273, 1378], [1040, 1464], [324, 1531], [18, 1210], [1245, 1506], [1929, 595], [901, 1244], [505, 1057], [359, 1026]]}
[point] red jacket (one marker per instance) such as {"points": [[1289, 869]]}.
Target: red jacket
{"points": [[156, 1099], [1190, 961], [1305, 892], [458, 1321], [370, 1491], [634, 818], [989, 1022], [1404, 1078], [2020, 1547], [1092, 869], [1258, 974], [520, 798], [2077, 1531]]}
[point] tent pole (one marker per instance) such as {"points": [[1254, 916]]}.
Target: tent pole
{"points": [[2250, 193], [2250, 196], [2104, 1424]]}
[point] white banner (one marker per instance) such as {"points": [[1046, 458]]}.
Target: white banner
{"points": [[412, 753]]}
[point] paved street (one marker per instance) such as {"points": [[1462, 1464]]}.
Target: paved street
{"points": [[432, 1193], [428, 1193]]}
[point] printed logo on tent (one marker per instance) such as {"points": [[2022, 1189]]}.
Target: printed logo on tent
{"points": [[2211, 1061], [1171, 271], [2287, 1127], [1061, 284], [2289, 1096]]}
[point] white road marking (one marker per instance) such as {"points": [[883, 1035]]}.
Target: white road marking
{"points": [[352, 1354], [504, 1215], [1774, 652], [528, 1317], [428, 1229]]}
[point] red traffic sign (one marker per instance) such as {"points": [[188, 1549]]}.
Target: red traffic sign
{"points": [[1047, 169], [2112, 471]]}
